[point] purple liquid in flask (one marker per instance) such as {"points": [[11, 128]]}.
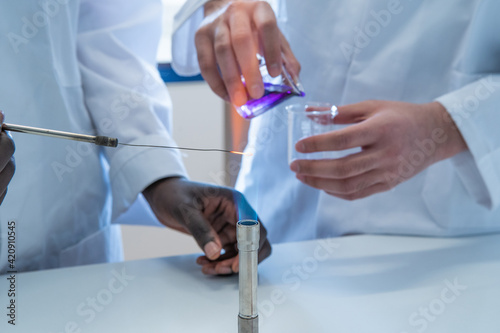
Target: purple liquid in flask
{"points": [[276, 90]]}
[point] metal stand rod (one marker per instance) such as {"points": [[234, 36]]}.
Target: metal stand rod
{"points": [[97, 140], [248, 236]]}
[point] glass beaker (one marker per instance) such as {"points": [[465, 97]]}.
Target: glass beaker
{"points": [[313, 118], [276, 90]]}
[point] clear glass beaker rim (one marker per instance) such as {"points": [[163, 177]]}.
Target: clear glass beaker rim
{"points": [[301, 108]]}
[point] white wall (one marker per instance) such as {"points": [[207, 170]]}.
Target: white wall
{"points": [[199, 122]]}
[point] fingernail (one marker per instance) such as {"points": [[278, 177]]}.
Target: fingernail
{"points": [[225, 270], [211, 250], [295, 166], [275, 70], [300, 147], [257, 90]]}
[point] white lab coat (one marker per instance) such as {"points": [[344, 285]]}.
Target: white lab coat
{"points": [[88, 67], [355, 50]]}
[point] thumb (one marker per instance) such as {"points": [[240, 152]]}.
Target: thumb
{"points": [[202, 231]]}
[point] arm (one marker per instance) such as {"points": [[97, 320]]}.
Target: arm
{"points": [[127, 99], [227, 40], [124, 93], [468, 114], [398, 141], [475, 111], [209, 213]]}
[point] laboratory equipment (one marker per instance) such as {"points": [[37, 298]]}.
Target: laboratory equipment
{"points": [[100, 140], [97, 140], [308, 120], [276, 90], [248, 236], [313, 118]]}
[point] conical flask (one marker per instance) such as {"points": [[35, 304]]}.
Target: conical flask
{"points": [[276, 90]]}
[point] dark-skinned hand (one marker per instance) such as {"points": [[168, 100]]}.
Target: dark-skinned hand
{"points": [[208, 213], [7, 164]]}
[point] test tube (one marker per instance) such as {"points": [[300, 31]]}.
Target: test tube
{"points": [[248, 236]]}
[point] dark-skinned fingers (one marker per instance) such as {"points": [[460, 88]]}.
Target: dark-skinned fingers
{"points": [[374, 189], [216, 269], [220, 267], [219, 223], [228, 235], [343, 186], [269, 36], [7, 149], [265, 250], [228, 66], [208, 65], [200, 229], [233, 262], [221, 214], [245, 50], [202, 260], [219, 203], [6, 174], [230, 251], [341, 168], [354, 136]]}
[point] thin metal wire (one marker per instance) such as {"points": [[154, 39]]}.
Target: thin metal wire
{"points": [[100, 140], [183, 148]]}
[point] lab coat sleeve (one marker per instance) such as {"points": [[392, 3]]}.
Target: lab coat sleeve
{"points": [[126, 98], [186, 22], [475, 109], [474, 105]]}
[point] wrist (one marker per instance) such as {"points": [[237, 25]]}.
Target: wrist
{"points": [[448, 139], [149, 192]]}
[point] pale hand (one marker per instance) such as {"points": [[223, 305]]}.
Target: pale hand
{"points": [[398, 141], [228, 41]]}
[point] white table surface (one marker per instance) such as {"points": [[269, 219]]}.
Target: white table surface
{"points": [[362, 284]]}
